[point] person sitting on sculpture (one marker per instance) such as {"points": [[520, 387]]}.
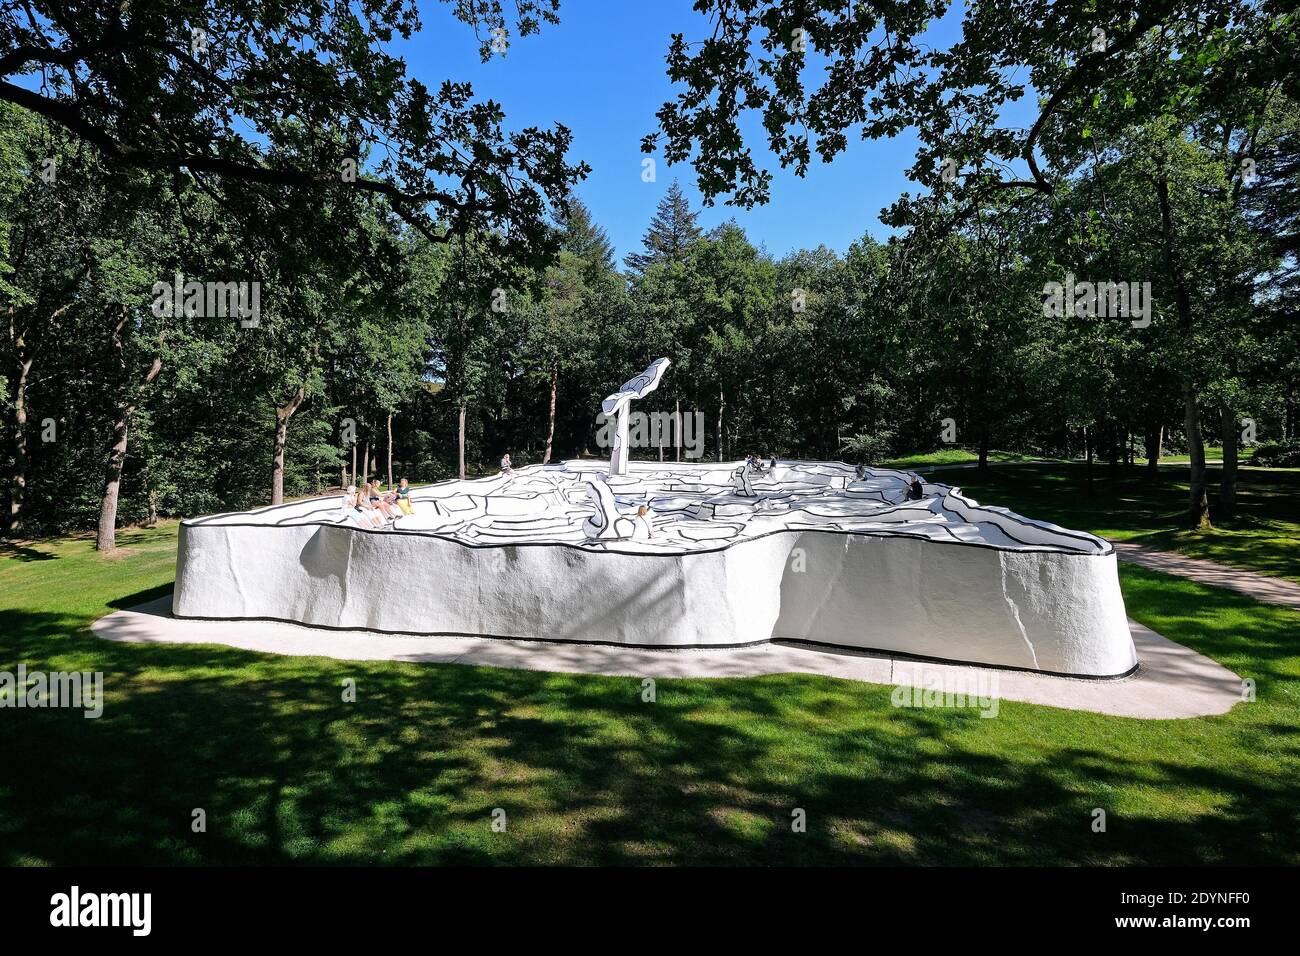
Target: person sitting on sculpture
{"points": [[643, 529], [403, 498], [507, 469], [860, 470], [390, 500], [360, 512], [384, 504], [916, 490], [347, 507]]}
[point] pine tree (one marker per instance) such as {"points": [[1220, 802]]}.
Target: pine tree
{"points": [[671, 231], [586, 240]]}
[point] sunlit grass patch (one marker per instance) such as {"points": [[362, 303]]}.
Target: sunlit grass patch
{"points": [[586, 771]]}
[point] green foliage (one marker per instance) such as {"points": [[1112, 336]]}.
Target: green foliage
{"points": [[376, 317], [869, 449], [293, 105], [672, 230], [881, 73], [1278, 454]]}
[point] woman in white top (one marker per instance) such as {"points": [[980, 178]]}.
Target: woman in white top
{"points": [[361, 512]]}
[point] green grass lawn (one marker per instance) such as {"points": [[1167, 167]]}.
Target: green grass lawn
{"points": [[1212, 453], [1264, 536], [588, 773], [954, 456]]}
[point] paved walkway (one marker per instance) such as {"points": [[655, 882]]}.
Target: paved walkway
{"points": [[1261, 587], [1171, 680]]}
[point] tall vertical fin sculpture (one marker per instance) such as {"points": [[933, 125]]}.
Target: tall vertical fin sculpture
{"points": [[617, 406]]}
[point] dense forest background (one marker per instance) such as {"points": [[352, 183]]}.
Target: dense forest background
{"points": [[439, 346]]}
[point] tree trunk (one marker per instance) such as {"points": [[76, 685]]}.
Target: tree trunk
{"points": [[282, 415], [365, 463], [1112, 467], [390, 449], [1198, 507], [1087, 454], [460, 441], [354, 462], [677, 435], [550, 429], [1154, 439], [24, 359], [18, 482], [722, 404], [984, 448], [106, 535], [1198, 510], [1228, 482]]}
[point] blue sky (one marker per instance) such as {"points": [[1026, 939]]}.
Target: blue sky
{"points": [[601, 73]]}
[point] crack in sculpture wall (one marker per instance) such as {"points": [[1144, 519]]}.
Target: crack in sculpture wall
{"points": [[817, 554]]}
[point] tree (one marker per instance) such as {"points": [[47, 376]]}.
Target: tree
{"points": [[671, 232], [982, 313], [479, 300], [582, 238], [218, 89], [1090, 64], [730, 289], [883, 75], [570, 314], [85, 247]]}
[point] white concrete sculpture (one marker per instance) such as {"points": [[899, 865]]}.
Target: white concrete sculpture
{"points": [[617, 405], [820, 556], [606, 524], [742, 479]]}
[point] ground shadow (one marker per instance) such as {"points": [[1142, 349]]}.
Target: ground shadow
{"points": [[587, 771]]}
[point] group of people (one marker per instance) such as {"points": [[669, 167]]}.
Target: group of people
{"points": [[756, 465], [371, 507]]}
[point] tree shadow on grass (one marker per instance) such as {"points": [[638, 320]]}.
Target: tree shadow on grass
{"points": [[142, 597], [21, 552], [587, 772]]}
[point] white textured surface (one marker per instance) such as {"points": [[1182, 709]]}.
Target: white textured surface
{"points": [[1172, 681], [816, 556]]}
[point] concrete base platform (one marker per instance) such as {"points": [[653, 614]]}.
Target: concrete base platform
{"points": [[1171, 681]]}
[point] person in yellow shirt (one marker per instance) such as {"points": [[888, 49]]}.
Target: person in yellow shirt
{"points": [[404, 498]]}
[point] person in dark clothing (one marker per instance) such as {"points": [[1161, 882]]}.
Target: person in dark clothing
{"points": [[915, 491]]}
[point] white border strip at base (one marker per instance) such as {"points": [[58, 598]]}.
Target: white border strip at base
{"points": [[1172, 681]]}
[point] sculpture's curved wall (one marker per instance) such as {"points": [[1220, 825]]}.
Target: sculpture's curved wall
{"points": [[1048, 610]]}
